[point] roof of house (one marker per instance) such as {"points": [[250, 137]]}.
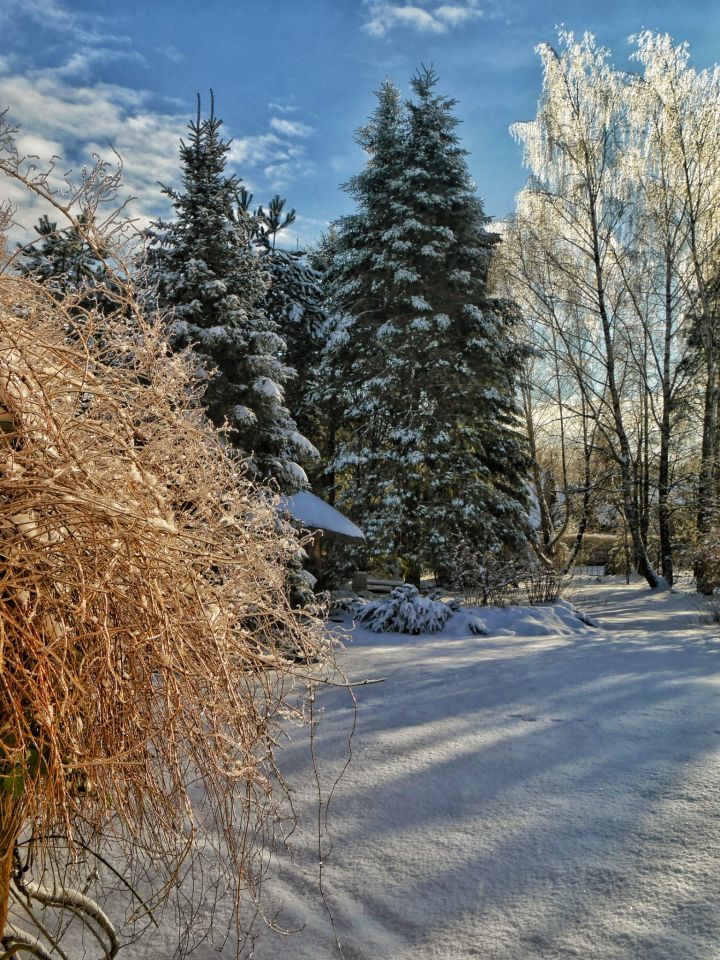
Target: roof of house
{"points": [[314, 514]]}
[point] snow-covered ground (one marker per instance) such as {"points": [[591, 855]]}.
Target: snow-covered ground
{"points": [[524, 796], [548, 791]]}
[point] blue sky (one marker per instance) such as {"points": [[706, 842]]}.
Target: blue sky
{"points": [[293, 79]]}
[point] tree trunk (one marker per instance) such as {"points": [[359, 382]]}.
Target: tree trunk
{"points": [[546, 527], [584, 515], [666, 557], [707, 480], [627, 478]]}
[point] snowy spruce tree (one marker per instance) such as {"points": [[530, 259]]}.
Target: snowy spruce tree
{"points": [[66, 262], [320, 394], [352, 257], [421, 362], [294, 303], [207, 272]]}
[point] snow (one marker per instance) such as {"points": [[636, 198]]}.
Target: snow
{"points": [[419, 303], [546, 792], [268, 388], [314, 514], [534, 516], [407, 275], [560, 619], [214, 287], [419, 323], [295, 472], [241, 412], [302, 444]]}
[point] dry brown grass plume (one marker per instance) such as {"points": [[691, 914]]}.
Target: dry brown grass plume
{"points": [[144, 622]]}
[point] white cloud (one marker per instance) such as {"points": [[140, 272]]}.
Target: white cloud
{"points": [[83, 28], [81, 62], [170, 52], [291, 128], [64, 112], [385, 16], [282, 107], [279, 175], [424, 17], [75, 121], [253, 150], [454, 14], [59, 118]]}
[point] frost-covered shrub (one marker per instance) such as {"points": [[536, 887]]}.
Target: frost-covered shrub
{"points": [[145, 670], [619, 562], [405, 611], [706, 562], [486, 578], [546, 586], [713, 605]]}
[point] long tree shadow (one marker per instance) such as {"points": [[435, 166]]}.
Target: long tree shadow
{"points": [[524, 803]]}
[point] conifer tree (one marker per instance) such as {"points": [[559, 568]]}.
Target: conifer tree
{"points": [[294, 303], [357, 256], [67, 263], [206, 270], [322, 381], [422, 361]]}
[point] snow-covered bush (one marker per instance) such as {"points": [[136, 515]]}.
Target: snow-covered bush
{"points": [[405, 611]]}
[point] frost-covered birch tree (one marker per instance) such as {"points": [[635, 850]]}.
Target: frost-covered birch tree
{"points": [[676, 121], [559, 387], [620, 221], [579, 194]]}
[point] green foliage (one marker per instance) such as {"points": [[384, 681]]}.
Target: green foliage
{"points": [[205, 269], [13, 775], [421, 361], [294, 304], [66, 262]]}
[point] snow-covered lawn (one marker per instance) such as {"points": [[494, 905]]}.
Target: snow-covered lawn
{"points": [[545, 792], [538, 793]]}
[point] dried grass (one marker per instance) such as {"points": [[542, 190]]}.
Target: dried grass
{"points": [[143, 606]]}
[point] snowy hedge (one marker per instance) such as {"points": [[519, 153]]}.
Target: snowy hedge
{"points": [[405, 611]]}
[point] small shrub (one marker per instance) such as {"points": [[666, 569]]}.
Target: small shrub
{"points": [[619, 560], [546, 586], [485, 578], [706, 561], [713, 606], [405, 611]]}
